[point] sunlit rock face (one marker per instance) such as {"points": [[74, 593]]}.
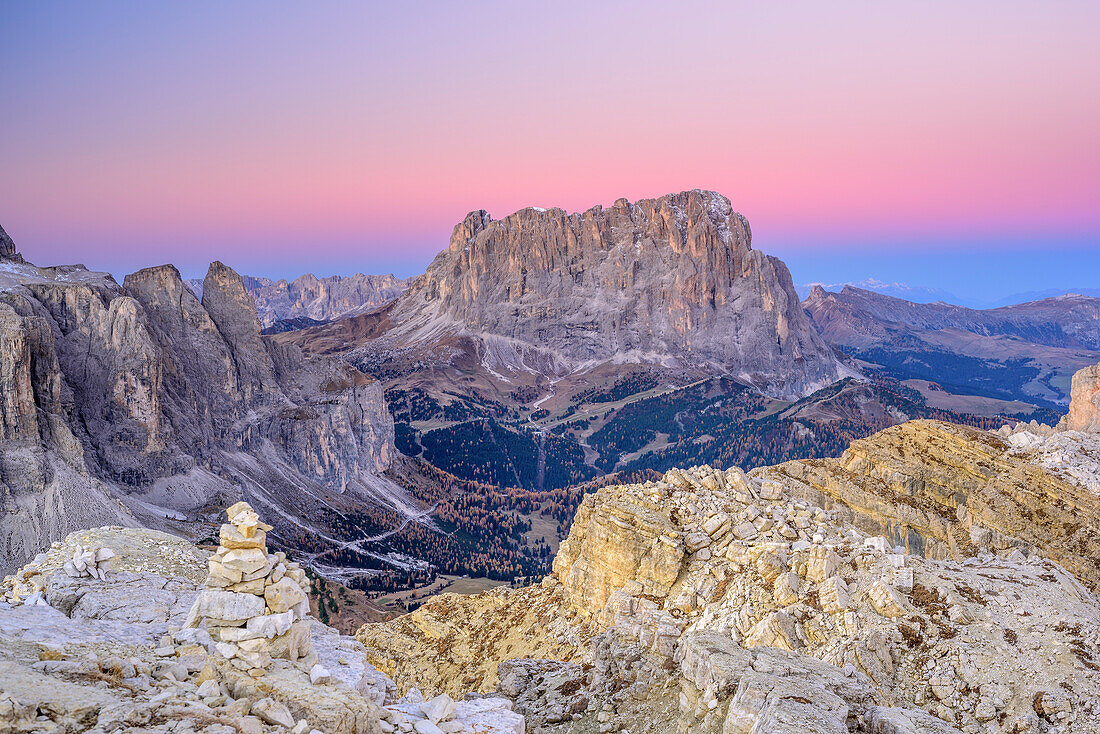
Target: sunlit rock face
{"points": [[893, 589], [1084, 406], [671, 280]]}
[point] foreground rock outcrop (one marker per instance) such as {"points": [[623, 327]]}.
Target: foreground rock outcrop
{"points": [[906, 587], [121, 651], [946, 491]]}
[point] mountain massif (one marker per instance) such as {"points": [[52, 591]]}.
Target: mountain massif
{"points": [[672, 281], [140, 404]]}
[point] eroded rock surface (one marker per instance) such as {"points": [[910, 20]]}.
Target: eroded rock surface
{"points": [[139, 404], [910, 591], [949, 491], [84, 653]]}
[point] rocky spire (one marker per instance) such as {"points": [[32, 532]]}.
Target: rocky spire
{"points": [[1084, 405], [234, 312], [7, 248]]}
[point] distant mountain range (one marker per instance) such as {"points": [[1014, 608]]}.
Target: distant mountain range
{"points": [[1039, 295], [316, 299], [916, 294], [921, 294], [1027, 352]]}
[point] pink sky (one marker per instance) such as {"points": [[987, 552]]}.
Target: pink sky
{"points": [[352, 136]]}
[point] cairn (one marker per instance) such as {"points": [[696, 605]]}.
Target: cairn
{"points": [[255, 603], [93, 562]]}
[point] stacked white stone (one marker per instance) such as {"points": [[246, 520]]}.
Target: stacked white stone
{"points": [[255, 603], [89, 562]]}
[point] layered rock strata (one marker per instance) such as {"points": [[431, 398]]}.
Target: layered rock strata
{"points": [[947, 491], [671, 281], [719, 601]]}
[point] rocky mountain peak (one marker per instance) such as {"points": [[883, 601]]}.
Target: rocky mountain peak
{"points": [[232, 309], [7, 248], [672, 280], [1084, 404], [468, 228]]}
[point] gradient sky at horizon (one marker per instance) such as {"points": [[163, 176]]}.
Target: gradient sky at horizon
{"points": [[897, 140]]}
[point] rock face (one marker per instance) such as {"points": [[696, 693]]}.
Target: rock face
{"points": [[671, 281], [46, 489], [309, 298], [1084, 406], [7, 248], [112, 652], [775, 602], [141, 400], [948, 491], [616, 541]]}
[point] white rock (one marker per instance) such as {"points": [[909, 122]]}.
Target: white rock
{"points": [[440, 708], [319, 674]]}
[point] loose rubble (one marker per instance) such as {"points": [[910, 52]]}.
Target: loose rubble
{"points": [[721, 601], [141, 645]]}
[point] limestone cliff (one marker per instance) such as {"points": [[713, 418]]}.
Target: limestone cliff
{"points": [[902, 588], [1084, 406], [144, 394], [671, 281], [46, 489]]}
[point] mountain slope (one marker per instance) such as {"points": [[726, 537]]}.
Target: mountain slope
{"points": [[856, 316], [1027, 352], [139, 403]]}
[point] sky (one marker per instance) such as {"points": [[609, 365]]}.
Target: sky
{"points": [[947, 145]]}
